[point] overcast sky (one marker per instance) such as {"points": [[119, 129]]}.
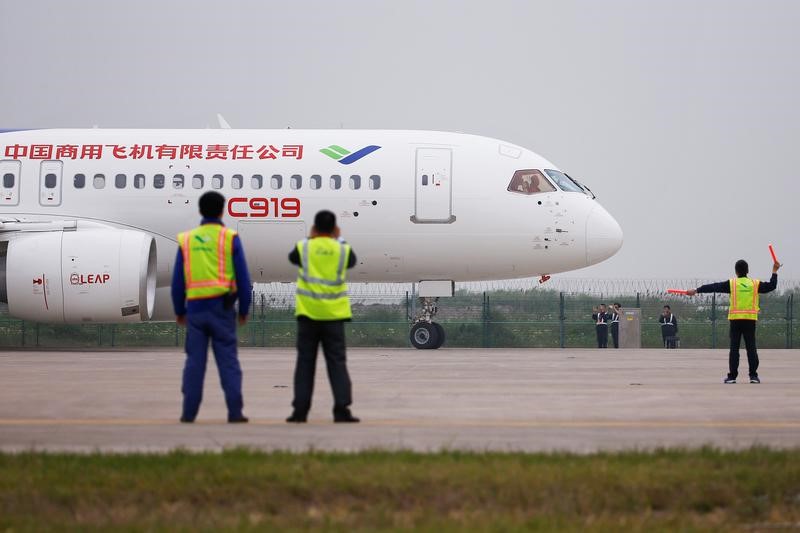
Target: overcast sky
{"points": [[682, 116]]}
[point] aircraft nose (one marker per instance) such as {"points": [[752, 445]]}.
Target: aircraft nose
{"points": [[603, 236]]}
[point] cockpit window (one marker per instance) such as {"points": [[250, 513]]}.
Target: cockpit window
{"points": [[529, 182], [564, 182]]}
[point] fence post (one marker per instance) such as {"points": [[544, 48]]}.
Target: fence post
{"points": [[409, 313], [714, 321], [263, 330], [562, 317], [484, 324], [638, 303], [23, 333], [177, 341], [113, 334], [789, 320], [37, 333]]}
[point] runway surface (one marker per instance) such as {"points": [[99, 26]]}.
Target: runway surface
{"points": [[467, 399]]}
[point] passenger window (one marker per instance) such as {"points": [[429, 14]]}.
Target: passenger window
{"points": [[79, 181], [564, 182], [8, 180], [158, 181], [374, 182], [138, 181], [50, 181], [216, 181], [315, 181], [120, 180], [197, 181], [336, 182], [424, 179], [177, 181], [529, 182], [99, 181], [276, 182], [257, 181], [355, 182], [296, 181], [237, 181]]}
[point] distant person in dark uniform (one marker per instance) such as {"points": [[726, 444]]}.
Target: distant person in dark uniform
{"points": [[742, 314], [322, 307], [669, 327], [601, 318], [616, 311]]}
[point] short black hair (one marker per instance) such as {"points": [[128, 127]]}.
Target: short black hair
{"points": [[741, 268], [667, 307], [325, 221], [618, 304], [211, 204]]}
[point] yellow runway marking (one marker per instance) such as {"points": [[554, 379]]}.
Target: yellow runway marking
{"points": [[407, 423]]}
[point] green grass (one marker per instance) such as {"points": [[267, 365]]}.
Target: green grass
{"points": [[245, 490]]}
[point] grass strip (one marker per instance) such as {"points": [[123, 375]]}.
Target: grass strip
{"points": [[244, 490]]}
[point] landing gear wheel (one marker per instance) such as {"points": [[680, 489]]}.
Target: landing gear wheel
{"points": [[440, 330], [425, 336]]}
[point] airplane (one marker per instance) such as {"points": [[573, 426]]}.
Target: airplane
{"points": [[89, 217]]}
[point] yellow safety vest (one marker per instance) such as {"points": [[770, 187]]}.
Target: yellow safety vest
{"points": [[208, 261], [744, 299], [321, 289]]}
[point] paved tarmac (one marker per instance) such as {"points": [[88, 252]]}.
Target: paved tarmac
{"points": [[467, 399]]}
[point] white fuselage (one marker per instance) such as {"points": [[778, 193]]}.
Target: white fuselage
{"points": [[421, 206]]}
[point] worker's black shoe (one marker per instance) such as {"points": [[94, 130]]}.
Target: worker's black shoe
{"points": [[185, 420], [297, 418], [729, 380], [344, 415], [754, 379], [241, 419]]}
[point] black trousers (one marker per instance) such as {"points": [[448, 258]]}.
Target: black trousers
{"points": [[310, 333], [668, 336], [602, 335], [615, 333], [746, 329]]}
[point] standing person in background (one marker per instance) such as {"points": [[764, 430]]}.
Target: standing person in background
{"points": [[601, 318], [742, 314], [669, 327], [210, 274], [616, 311], [322, 307]]}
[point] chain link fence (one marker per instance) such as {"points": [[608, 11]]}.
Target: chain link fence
{"points": [[519, 313]]}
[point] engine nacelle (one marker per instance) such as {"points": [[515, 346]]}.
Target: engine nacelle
{"points": [[88, 275]]}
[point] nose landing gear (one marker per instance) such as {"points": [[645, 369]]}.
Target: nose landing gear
{"points": [[425, 333]]}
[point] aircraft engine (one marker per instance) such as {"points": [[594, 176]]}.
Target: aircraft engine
{"points": [[93, 275]]}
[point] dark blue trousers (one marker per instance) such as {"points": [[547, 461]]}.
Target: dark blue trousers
{"points": [[219, 326]]}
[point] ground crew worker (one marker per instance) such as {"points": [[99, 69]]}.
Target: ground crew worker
{"points": [[210, 274], [742, 314], [601, 318], [322, 307], [616, 311], [669, 327]]}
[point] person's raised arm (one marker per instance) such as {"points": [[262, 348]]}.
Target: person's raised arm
{"points": [[772, 284]]}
